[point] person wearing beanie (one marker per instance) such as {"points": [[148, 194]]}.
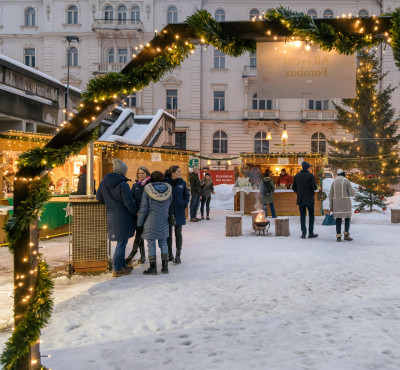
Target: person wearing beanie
{"points": [[304, 186], [114, 191], [207, 188], [195, 190], [340, 204]]}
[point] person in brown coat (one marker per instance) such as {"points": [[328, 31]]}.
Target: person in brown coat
{"points": [[340, 204]]}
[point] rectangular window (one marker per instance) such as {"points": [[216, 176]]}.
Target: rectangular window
{"points": [[172, 17], [132, 101], [172, 99], [318, 104], [253, 59], [180, 140], [219, 59], [29, 57], [219, 100], [122, 56]]}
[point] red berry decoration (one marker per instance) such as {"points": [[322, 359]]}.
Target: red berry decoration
{"points": [[382, 198], [369, 176], [383, 209], [356, 211], [360, 187]]}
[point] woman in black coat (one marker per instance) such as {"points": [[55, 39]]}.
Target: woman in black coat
{"points": [[143, 177], [177, 216]]}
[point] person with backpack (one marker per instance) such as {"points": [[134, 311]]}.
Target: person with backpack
{"points": [[267, 188]]}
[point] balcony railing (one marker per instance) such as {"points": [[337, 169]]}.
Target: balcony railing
{"points": [[249, 71], [108, 67], [117, 24], [261, 114], [320, 115]]}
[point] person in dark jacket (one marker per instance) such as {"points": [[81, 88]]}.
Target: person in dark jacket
{"points": [[195, 190], [207, 188], [267, 189], [121, 213], [82, 182], [177, 217], [153, 220], [143, 178], [304, 186]]}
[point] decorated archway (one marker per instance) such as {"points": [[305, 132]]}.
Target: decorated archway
{"points": [[171, 46]]}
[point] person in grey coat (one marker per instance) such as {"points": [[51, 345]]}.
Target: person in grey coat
{"points": [[267, 188], [207, 188], [121, 213], [340, 204], [153, 220]]}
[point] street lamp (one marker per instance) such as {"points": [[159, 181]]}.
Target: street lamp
{"points": [[69, 39]]}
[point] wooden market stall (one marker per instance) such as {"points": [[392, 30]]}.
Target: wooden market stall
{"points": [[254, 165], [64, 179]]}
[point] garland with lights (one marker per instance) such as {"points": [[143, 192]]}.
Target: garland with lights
{"points": [[108, 87]]}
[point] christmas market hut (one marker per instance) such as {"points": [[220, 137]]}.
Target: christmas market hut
{"points": [[253, 168]]}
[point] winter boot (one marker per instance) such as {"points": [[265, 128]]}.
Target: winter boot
{"points": [[142, 258], [124, 271], [347, 237], [164, 260], [177, 259], [152, 270], [338, 237], [132, 254]]}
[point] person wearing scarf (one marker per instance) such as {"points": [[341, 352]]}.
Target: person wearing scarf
{"points": [[143, 178]]}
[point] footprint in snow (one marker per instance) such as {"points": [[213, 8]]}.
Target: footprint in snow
{"points": [[186, 343], [184, 336], [142, 350], [160, 340]]}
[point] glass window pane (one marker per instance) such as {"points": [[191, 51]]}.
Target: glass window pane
{"points": [[326, 104], [269, 104], [222, 104], [257, 146], [318, 105], [224, 146], [261, 104], [322, 146], [215, 146], [265, 146], [223, 134], [314, 146], [311, 104], [255, 101]]}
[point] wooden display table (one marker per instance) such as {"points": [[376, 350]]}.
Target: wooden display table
{"points": [[284, 203]]}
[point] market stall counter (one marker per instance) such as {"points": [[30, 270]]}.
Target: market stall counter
{"points": [[252, 171]]}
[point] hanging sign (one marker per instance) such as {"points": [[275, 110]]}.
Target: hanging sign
{"points": [[294, 70], [283, 160], [156, 157]]}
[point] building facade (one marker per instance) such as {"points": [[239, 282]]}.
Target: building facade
{"points": [[213, 96]]}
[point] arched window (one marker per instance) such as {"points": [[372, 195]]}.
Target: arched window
{"points": [[220, 15], [261, 104], [254, 14], [111, 56], [172, 15], [328, 13], [261, 144], [363, 13], [220, 142], [109, 13], [312, 13], [73, 57], [135, 13], [72, 15], [30, 17], [318, 143], [121, 14]]}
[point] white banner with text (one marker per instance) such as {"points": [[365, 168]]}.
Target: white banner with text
{"points": [[295, 70]]}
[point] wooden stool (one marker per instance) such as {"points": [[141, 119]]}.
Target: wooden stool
{"points": [[233, 225], [282, 227], [395, 216]]}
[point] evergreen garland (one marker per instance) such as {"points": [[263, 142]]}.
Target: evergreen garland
{"points": [[395, 35], [324, 35]]}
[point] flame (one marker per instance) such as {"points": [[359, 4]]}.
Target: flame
{"points": [[260, 217]]}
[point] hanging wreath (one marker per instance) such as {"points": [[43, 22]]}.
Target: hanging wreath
{"points": [[321, 196]]}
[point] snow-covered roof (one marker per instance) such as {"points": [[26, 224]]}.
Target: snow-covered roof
{"points": [[22, 93], [139, 132]]}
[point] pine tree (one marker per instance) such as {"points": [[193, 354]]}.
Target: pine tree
{"points": [[371, 155]]}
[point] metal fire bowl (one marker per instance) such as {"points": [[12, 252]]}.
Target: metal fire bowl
{"points": [[261, 224]]}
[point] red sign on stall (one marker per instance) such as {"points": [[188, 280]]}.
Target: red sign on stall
{"points": [[220, 177]]}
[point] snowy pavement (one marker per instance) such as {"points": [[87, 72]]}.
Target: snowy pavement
{"points": [[250, 302]]}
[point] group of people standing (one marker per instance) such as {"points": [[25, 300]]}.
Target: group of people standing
{"points": [[305, 186], [153, 210]]}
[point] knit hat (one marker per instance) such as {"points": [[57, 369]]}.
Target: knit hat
{"points": [[339, 171], [119, 166], [195, 169], [305, 165]]}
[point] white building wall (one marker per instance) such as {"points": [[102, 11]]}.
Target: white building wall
{"points": [[196, 79]]}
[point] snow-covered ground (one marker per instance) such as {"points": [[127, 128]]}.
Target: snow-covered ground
{"points": [[250, 302]]}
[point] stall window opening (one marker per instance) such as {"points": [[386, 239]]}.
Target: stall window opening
{"points": [[261, 144], [220, 142], [318, 143]]}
